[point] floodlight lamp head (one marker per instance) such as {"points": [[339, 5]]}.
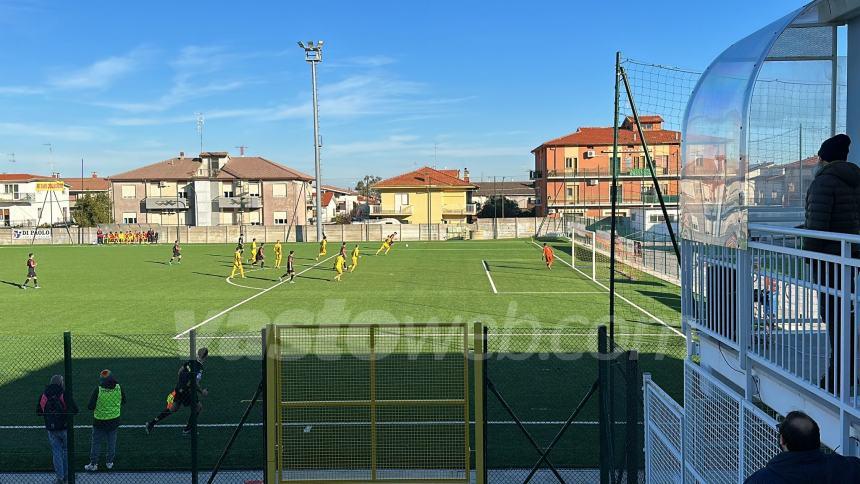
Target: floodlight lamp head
{"points": [[301, 44]]}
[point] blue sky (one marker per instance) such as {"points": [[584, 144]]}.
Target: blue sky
{"points": [[119, 83]]}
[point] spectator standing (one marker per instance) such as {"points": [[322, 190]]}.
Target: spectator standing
{"points": [[833, 205], [106, 403], [56, 406], [801, 459]]}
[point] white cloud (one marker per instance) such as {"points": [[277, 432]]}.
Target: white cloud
{"points": [[21, 90], [102, 73], [50, 132]]}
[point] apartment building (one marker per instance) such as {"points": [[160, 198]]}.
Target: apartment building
{"points": [[426, 195], [31, 200], [213, 188], [573, 173]]}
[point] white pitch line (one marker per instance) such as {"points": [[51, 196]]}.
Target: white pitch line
{"points": [[655, 318], [487, 271], [552, 292], [251, 298], [240, 285]]}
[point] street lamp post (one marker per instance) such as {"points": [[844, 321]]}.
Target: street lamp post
{"points": [[313, 55]]}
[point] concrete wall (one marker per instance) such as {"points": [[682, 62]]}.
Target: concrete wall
{"points": [[483, 229]]}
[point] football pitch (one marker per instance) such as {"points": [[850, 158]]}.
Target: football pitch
{"points": [[130, 311]]}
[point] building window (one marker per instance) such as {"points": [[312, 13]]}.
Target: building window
{"points": [[280, 218], [254, 189], [129, 191], [404, 198], [129, 218], [279, 190], [773, 195], [570, 163], [791, 187], [228, 193]]}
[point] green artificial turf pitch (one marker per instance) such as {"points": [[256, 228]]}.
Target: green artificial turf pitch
{"points": [[125, 307]]}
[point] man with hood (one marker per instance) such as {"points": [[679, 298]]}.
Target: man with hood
{"points": [[106, 403], [833, 205], [56, 406]]}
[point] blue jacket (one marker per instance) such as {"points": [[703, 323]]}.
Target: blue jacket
{"points": [[808, 466]]}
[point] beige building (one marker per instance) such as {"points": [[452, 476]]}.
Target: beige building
{"points": [[213, 188], [426, 195]]}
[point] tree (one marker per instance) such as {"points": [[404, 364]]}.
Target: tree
{"points": [[493, 208], [342, 219], [364, 186], [91, 210]]}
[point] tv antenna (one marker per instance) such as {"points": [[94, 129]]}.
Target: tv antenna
{"points": [[241, 149], [200, 123], [51, 153]]}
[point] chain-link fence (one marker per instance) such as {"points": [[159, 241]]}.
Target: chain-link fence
{"points": [[145, 369]]}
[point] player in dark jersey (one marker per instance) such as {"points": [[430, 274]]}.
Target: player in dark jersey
{"points": [[260, 256], [343, 249], [177, 253], [181, 394], [291, 271], [31, 272]]}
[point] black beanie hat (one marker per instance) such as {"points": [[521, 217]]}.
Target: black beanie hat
{"points": [[835, 148]]}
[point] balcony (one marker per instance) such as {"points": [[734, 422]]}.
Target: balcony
{"points": [[468, 209], [15, 198], [652, 198], [239, 203], [604, 202], [170, 204], [766, 317], [606, 173], [401, 211]]}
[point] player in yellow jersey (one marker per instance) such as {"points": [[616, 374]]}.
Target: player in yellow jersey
{"points": [[237, 263], [338, 267], [253, 258], [278, 254], [386, 245], [323, 246], [355, 256]]}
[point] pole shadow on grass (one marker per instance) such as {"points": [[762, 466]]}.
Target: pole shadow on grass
{"points": [[10, 283]]}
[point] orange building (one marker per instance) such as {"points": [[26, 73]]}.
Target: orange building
{"points": [[573, 173]]}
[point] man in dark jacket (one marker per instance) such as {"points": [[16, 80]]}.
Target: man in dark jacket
{"points": [[56, 406], [833, 205], [802, 460], [106, 403]]}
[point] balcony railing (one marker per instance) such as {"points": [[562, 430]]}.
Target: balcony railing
{"points": [[165, 203], [18, 197], [380, 211], [468, 209], [782, 306], [605, 172], [239, 203]]}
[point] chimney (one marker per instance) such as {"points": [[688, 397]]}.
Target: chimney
{"points": [[465, 174], [634, 136], [55, 174], [181, 155], [95, 175]]}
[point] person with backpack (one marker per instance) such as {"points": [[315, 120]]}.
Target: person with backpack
{"points": [[106, 403], [56, 406]]}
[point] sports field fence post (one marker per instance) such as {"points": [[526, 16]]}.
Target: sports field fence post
{"points": [[479, 353], [594, 256], [265, 403], [603, 422], [270, 404], [70, 417], [192, 346], [634, 388]]}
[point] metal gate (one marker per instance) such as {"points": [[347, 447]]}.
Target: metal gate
{"points": [[364, 403]]}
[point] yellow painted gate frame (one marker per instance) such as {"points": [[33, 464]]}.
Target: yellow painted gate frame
{"points": [[275, 405]]}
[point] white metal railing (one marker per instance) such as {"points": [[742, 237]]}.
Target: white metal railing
{"points": [[468, 209], [18, 197], [782, 306], [401, 210], [717, 437]]}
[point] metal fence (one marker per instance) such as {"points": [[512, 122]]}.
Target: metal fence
{"points": [[145, 367], [717, 437]]}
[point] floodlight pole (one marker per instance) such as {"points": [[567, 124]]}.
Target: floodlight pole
{"points": [[313, 55], [613, 199]]}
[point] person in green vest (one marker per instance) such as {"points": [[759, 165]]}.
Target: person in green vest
{"points": [[106, 403]]}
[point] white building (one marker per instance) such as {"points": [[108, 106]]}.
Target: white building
{"points": [[32, 200], [339, 201]]}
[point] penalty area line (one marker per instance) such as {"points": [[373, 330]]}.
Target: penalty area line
{"points": [[248, 299], [487, 271], [631, 303]]}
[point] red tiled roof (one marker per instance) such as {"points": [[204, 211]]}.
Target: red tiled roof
{"points": [[24, 177], [326, 199], [454, 173], [245, 167], [90, 184], [424, 177], [603, 137]]}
